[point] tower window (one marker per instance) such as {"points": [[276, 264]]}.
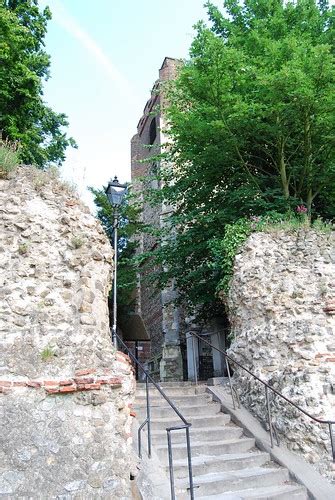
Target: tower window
{"points": [[152, 131]]}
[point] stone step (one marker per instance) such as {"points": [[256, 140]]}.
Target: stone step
{"points": [[226, 465], [232, 461], [222, 482], [166, 411], [223, 447], [183, 399], [196, 421], [277, 492], [204, 434], [168, 385], [173, 391]]}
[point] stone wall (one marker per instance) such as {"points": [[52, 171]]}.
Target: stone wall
{"points": [[282, 317], [64, 391]]}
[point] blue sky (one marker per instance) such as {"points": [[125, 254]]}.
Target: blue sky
{"points": [[105, 56]]}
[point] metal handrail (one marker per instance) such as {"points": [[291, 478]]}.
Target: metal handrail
{"points": [[272, 428], [147, 422]]}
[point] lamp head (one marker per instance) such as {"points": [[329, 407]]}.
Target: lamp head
{"points": [[116, 192]]}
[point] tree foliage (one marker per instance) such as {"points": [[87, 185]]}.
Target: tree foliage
{"points": [[251, 123], [24, 65]]}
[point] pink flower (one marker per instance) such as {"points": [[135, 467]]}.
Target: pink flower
{"points": [[301, 209]]}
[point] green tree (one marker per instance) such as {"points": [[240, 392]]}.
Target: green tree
{"points": [[24, 65], [251, 122]]}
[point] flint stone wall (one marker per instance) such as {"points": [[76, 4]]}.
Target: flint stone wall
{"points": [[64, 391], [282, 314]]}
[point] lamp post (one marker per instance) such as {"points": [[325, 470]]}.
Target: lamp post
{"points": [[115, 193]]}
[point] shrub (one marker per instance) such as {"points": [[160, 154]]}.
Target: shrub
{"points": [[9, 157]]}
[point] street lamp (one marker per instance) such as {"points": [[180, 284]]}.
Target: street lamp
{"points": [[115, 193]]}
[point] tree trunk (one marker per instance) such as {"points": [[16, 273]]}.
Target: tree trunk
{"points": [[282, 169], [308, 166], [309, 204]]}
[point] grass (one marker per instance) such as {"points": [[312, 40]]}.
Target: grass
{"points": [[10, 160], [291, 223], [47, 354], [9, 157], [323, 226], [23, 248], [51, 177], [77, 241], [225, 249]]}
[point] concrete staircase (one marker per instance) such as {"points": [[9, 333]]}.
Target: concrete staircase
{"points": [[226, 463]]}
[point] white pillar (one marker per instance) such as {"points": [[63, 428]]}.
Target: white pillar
{"points": [[192, 357], [218, 358]]}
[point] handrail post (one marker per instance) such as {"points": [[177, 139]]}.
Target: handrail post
{"points": [[189, 462], [148, 415], [330, 425], [230, 384], [139, 430], [195, 361], [269, 414], [272, 427], [147, 422], [139, 441], [173, 496]]}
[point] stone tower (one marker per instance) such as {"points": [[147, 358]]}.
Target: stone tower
{"points": [[160, 317]]}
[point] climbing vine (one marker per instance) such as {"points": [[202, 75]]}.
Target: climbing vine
{"points": [[224, 250]]}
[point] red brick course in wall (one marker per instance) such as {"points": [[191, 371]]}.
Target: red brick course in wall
{"points": [[121, 356], [330, 307], [61, 386], [329, 356], [80, 382]]}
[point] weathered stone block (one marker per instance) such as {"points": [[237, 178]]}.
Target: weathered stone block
{"points": [[281, 310], [60, 388]]}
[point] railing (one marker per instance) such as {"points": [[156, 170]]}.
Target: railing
{"points": [[234, 395], [147, 422]]}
